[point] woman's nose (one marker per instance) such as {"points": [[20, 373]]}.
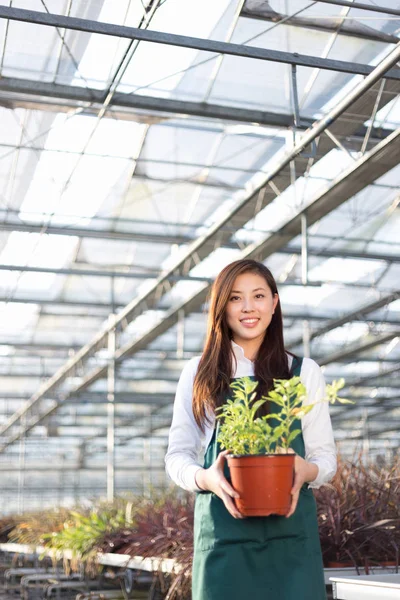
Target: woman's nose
{"points": [[248, 305]]}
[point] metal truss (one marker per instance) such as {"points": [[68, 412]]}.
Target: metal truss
{"points": [[355, 315], [181, 41]]}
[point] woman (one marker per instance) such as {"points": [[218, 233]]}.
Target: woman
{"points": [[275, 558]]}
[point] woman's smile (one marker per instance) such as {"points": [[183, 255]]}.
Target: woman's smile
{"points": [[250, 321]]}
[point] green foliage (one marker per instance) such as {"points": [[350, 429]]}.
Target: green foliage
{"points": [[72, 534], [242, 432], [80, 532]]}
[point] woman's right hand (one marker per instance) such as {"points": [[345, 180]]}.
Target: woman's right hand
{"points": [[213, 480]]}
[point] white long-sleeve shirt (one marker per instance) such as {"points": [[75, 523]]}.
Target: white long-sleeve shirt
{"points": [[187, 443]]}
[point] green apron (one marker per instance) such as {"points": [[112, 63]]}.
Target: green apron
{"points": [[268, 558]]}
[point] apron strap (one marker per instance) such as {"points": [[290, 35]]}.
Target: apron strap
{"points": [[296, 366]]}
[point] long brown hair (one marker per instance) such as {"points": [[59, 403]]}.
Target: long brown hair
{"points": [[214, 372]]}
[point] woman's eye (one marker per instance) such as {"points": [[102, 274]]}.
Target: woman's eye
{"points": [[260, 296], [234, 298]]}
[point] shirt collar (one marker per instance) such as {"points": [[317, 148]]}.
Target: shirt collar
{"points": [[239, 352], [240, 357]]}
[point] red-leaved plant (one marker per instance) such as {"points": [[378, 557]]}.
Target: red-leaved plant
{"points": [[163, 529], [359, 514]]}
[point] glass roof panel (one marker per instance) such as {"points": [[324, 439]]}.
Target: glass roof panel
{"points": [[17, 319], [38, 250], [28, 56], [389, 115], [157, 69], [340, 269], [104, 53], [67, 186]]}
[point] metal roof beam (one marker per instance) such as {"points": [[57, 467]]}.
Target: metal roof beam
{"points": [[129, 236], [40, 468], [101, 398], [363, 346], [60, 302], [95, 219], [372, 432], [361, 5], [385, 401], [73, 489], [40, 374], [290, 313], [367, 379], [37, 95], [44, 353], [355, 315], [181, 41], [347, 29], [40, 95], [99, 273], [90, 232]]}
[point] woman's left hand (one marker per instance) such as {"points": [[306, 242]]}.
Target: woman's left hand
{"points": [[304, 472]]}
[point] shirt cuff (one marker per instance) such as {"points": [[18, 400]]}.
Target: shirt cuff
{"points": [[190, 478], [325, 474]]}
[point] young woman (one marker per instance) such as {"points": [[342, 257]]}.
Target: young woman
{"points": [[270, 558]]}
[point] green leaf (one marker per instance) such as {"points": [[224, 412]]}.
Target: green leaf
{"points": [[242, 432], [293, 435]]}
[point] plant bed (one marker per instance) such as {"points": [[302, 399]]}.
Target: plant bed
{"points": [[359, 515]]}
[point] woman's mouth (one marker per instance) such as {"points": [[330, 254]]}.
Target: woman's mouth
{"points": [[251, 322]]}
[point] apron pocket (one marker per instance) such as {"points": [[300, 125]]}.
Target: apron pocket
{"points": [[214, 526]]}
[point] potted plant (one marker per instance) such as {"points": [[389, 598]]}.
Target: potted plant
{"points": [[261, 462]]}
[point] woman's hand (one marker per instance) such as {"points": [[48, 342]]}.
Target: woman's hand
{"points": [[213, 480], [304, 472]]}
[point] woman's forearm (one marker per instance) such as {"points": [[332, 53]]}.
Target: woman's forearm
{"points": [[201, 479], [311, 472]]}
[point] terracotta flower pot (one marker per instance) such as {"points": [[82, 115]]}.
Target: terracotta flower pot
{"points": [[264, 482]]}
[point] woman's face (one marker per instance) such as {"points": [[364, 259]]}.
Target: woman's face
{"points": [[250, 308]]}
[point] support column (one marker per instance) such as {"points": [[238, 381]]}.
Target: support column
{"points": [[111, 413], [180, 335], [304, 279], [21, 467]]}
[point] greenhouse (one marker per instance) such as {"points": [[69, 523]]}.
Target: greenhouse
{"points": [[144, 146]]}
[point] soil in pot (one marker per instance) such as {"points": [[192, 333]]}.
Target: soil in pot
{"points": [[263, 482]]}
